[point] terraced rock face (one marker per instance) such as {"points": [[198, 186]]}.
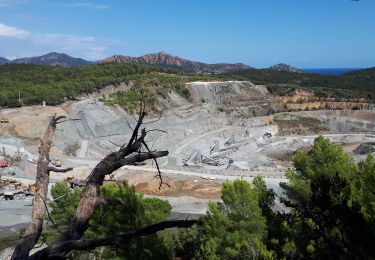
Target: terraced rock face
{"points": [[343, 121], [227, 91], [237, 98]]}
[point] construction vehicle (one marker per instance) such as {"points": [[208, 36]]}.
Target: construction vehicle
{"points": [[3, 160], [4, 163], [56, 162], [72, 182], [15, 190]]}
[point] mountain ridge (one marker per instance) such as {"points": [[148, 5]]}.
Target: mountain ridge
{"points": [[3, 60], [167, 60], [53, 59]]}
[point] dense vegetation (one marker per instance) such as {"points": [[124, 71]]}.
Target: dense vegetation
{"points": [[330, 214], [353, 85], [36, 83], [107, 220]]}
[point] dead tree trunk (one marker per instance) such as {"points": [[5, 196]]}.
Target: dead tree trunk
{"points": [[71, 239], [90, 197], [35, 227]]}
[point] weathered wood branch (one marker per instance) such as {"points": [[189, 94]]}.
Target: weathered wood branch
{"points": [[110, 201], [58, 250], [35, 227], [54, 169], [90, 196]]}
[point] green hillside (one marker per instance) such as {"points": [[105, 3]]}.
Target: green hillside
{"points": [[54, 84], [354, 85], [36, 83]]}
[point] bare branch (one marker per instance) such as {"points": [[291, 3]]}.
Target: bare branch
{"points": [[54, 169], [156, 130], [110, 201], [59, 250], [157, 166]]}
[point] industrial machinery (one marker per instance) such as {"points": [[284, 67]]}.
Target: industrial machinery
{"points": [[14, 190]]}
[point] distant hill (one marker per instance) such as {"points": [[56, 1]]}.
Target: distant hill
{"points": [[285, 67], [166, 60], [359, 84], [3, 60], [53, 59], [362, 73]]}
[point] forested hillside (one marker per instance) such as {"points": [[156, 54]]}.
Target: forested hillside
{"points": [[36, 83], [54, 84], [353, 85]]}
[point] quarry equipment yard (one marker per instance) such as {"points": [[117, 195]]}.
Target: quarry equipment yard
{"points": [[221, 132]]}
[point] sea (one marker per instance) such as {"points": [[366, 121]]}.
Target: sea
{"points": [[332, 71]]}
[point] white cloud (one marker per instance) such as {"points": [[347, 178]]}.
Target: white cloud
{"points": [[88, 47], [13, 32], [18, 42], [84, 5]]}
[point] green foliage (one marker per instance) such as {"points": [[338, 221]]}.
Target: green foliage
{"points": [[129, 99], [56, 84], [9, 241], [113, 220], [353, 85], [366, 190], [62, 210], [234, 229], [330, 214], [331, 201]]}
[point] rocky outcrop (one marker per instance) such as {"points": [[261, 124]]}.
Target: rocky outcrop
{"points": [[285, 67], [164, 59]]}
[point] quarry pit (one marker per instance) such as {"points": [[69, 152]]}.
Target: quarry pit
{"points": [[222, 132]]}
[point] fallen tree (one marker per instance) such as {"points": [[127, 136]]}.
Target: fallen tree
{"points": [[71, 239]]}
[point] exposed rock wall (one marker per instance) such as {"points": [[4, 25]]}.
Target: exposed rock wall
{"points": [[330, 105], [226, 92]]}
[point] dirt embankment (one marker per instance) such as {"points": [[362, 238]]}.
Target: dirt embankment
{"points": [[303, 100], [28, 122], [330, 105], [175, 187]]}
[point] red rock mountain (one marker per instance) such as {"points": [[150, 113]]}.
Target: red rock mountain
{"points": [[166, 60]]}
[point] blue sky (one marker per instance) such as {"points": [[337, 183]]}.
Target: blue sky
{"points": [[303, 33]]}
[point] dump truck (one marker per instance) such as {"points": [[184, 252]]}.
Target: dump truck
{"points": [[56, 162], [15, 190]]}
